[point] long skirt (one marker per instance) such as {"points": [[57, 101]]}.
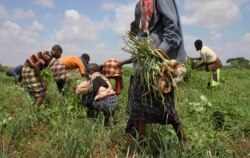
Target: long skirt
{"points": [[107, 105], [31, 82], [149, 108]]}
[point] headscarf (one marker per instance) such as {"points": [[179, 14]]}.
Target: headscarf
{"points": [[147, 9]]}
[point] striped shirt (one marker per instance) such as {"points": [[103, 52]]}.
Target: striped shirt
{"points": [[43, 58]]}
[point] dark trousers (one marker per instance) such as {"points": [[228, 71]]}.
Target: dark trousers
{"points": [[60, 85]]}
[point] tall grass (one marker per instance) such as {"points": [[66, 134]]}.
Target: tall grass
{"points": [[60, 127]]}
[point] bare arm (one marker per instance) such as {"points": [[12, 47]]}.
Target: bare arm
{"points": [[199, 65], [128, 61], [38, 71], [199, 58]]}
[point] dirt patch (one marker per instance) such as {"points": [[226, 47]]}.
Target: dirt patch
{"points": [[241, 149]]}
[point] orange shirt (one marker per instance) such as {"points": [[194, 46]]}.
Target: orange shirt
{"points": [[73, 62]]}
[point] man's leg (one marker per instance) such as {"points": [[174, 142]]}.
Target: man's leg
{"points": [[216, 75], [180, 133], [39, 101], [215, 78], [141, 129], [90, 113], [174, 120]]}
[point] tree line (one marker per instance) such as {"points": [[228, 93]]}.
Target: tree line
{"points": [[239, 62]]}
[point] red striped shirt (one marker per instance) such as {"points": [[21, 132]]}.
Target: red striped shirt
{"points": [[43, 58]]}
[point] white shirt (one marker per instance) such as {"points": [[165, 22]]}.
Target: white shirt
{"points": [[207, 55]]}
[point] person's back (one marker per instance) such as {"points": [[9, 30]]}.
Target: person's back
{"points": [[104, 97], [208, 55], [61, 66], [104, 90], [16, 73], [43, 57], [30, 72], [72, 62]]}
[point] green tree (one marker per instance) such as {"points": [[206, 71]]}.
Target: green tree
{"points": [[3, 68], [239, 62]]}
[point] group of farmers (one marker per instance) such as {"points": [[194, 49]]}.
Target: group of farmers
{"points": [[154, 19]]}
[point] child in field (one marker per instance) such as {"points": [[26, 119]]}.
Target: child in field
{"points": [[101, 96], [16, 73]]}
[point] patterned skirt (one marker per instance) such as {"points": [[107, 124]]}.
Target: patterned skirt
{"points": [[150, 108], [107, 104], [30, 81]]}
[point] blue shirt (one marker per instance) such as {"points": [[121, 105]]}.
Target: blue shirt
{"points": [[17, 71]]}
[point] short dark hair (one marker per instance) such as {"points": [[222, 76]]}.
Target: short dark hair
{"points": [[94, 67], [57, 48], [9, 73], [198, 42], [85, 56]]}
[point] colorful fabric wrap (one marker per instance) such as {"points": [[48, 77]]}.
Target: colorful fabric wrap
{"points": [[107, 104], [59, 70], [31, 82], [150, 108], [147, 9]]}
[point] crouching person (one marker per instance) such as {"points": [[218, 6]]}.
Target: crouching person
{"points": [[16, 73], [99, 94]]}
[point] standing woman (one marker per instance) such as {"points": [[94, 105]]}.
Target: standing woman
{"points": [[31, 72], [158, 20]]}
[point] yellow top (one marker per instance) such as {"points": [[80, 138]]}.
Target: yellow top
{"points": [[73, 62]]}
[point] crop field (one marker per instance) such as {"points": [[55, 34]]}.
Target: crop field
{"points": [[216, 121]]}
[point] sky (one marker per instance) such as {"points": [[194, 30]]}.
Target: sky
{"points": [[98, 27]]}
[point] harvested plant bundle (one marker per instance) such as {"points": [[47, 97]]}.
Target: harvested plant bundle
{"points": [[153, 65]]}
